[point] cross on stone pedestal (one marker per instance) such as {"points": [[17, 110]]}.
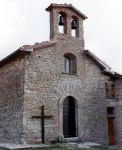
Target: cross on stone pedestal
{"points": [[42, 117]]}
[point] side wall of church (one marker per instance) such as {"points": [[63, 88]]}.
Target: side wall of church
{"points": [[11, 99], [47, 83], [119, 111]]}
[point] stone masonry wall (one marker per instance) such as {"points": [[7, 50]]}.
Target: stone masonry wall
{"points": [[119, 111], [46, 83], [39, 79], [11, 100]]}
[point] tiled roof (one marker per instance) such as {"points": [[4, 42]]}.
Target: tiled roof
{"points": [[102, 65], [67, 6], [26, 49]]}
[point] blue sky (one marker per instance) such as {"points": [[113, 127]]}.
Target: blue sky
{"points": [[26, 22]]}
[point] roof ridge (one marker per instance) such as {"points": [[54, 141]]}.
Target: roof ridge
{"points": [[27, 49], [66, 5], [97, 59], [38, 45]]}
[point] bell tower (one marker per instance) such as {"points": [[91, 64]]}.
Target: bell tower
{"points": [[65, 21]]}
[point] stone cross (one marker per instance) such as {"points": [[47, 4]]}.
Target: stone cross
{"points": [[42, 117]]}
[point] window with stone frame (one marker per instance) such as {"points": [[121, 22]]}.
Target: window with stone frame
{"points": [[70, 63], [110, 89], [110, 111]]}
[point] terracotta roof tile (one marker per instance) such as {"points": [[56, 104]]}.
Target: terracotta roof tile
{"points": [[27, 49], [67, 6]]}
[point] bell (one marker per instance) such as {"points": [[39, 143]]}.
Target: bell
{"points": [[61, 21], [74, 24]]}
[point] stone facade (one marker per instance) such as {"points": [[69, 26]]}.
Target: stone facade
{"points": [[39, 78], [119, 111], [11, 100]]}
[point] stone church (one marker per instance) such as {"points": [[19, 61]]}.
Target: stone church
{"points": [[58, 91]]}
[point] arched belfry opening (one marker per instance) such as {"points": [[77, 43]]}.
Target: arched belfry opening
{"points": [[75, 26], [70, 117], [62, 22]]}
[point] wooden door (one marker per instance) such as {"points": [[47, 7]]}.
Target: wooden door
{"points": [[66, 118], [69, 117], [111, 131]]}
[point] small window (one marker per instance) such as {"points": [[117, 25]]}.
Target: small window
{"points": [[110, 90], [67, 65], [110, 110], [70, 64]]}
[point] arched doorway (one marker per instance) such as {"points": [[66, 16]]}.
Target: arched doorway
{"points": [[69, 117]]}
